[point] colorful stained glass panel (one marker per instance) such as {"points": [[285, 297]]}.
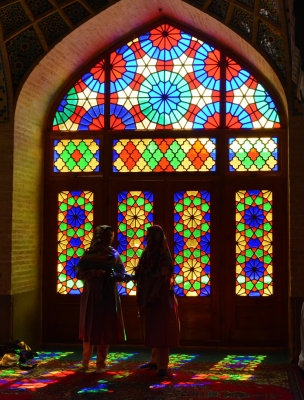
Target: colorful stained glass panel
{"points": [[253, 154], [82, 108], [76, 155], [165, 79], [248, 105], [192, 243], [164, 155], [135, 215], [75, 232], [254, 252]]}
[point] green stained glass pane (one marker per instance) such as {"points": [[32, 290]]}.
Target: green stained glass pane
{"points": [[70, 252], [152, 163], [62, 278], [70, 164], [259, 285], [62, 258], [249, 253], [82, 164], [62, 226]]}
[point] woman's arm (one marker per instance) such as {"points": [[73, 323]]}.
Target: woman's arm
{"points": [[87, 274]]}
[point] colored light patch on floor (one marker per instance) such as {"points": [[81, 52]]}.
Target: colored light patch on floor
{"points": [[223, 377], [189, 384], [5, 381], [45, 357], [178, 360], [102, 386], [115, 358], [45, 380], [180, 384], [12, 373], [119, 374], [239, 363], [31, 384]]}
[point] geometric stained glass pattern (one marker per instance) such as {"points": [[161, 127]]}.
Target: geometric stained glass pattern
{"points": [[135, 215], [192, 243], [82, 108], [165, 79], [164, 155], [75, 232], [254, 253], [248, 105], [78, 155], [253, 154]]}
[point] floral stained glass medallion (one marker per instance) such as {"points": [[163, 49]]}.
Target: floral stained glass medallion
{"points": [[254, 250], [164, 155], [82, 108], [135, 215], [165, 79], [78, 155], [192, 243], [75, 232], [253, 154], [248, 105]]}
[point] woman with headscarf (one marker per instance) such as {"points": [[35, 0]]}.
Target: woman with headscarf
{"points": [[156, 300], [101, 321]]}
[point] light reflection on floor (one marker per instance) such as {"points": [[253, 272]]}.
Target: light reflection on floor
{"points": [[230, 368], [112, 359], [102, 386], [178, 360], [238, 363]]}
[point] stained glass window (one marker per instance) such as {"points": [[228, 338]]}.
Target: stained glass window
{"points": [[82, 108], [76, 155], [254, 275], [75, 232], [248, 104], [165, 78], [164, 155], [253, 154], [192, 243], [135, 215]]}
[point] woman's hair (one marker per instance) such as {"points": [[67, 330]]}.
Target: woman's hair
{"points": [[158, 242], [97, 235], [156, 249]]}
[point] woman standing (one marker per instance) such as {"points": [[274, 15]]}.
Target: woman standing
{"points": [[101, 321], [156, 300]]}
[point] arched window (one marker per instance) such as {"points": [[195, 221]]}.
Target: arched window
{"points": [[171, 128]]}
